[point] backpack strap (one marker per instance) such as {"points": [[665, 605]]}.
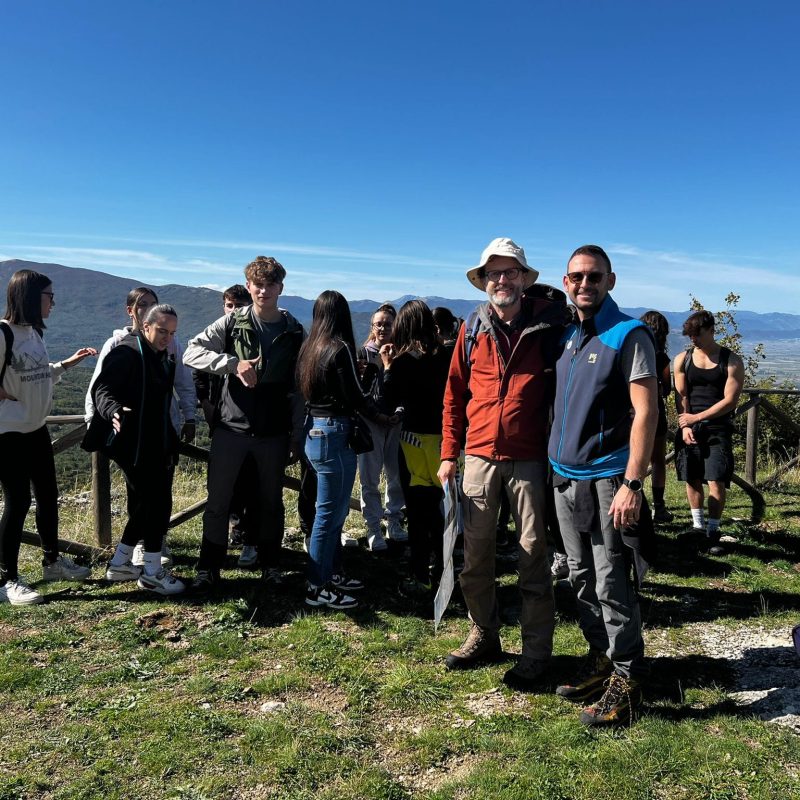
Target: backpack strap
{"points": [[8, 334], [470, 337]]}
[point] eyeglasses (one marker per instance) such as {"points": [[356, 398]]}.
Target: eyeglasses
{"points": [[382, 326], [510, 274], [576, 278], [51, 296]]}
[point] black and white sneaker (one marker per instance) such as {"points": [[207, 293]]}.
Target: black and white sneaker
{"points": [[346, 584], [330, 597]]}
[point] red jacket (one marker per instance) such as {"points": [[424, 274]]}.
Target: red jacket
{"points": [[504, 408]]}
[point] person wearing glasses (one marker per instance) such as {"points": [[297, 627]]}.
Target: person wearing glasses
{"points": [[26, 455], [498, 396], [604, 424], [373, 358]]}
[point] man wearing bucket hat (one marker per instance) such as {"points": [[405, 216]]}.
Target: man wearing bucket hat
{"points": [[496, 407]]}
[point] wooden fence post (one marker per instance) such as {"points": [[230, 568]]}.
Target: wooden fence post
{"points": [[101, 499], [751, 444]]}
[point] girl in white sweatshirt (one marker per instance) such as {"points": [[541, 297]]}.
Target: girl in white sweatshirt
{"points": [[26, 455]]}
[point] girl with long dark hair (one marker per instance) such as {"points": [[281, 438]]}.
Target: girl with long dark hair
{"points": [[26, 455], [415, 380], [327, 377]]}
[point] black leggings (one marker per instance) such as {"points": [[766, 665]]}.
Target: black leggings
{"points": [[149, 504], [26, 459], [425, 526]]}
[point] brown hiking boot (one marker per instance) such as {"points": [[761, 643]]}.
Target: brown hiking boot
{"points": [[617, 706], [480, 647], [588, 683]]}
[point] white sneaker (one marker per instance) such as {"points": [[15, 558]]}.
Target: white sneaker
{"points": [[396, 532], [376, 542], [348, 540], [162, 582], [137, 557], [65, 569], [18, 593], [123, 572], [248, 556]]}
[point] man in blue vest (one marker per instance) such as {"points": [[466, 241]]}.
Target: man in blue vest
{"points": [[605, 418]]}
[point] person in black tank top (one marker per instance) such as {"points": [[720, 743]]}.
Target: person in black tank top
{"points": [[708, 381]]}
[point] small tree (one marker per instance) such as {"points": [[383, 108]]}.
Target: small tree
{"points": [[727, 333]]}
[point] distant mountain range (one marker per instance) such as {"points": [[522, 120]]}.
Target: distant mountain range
{"points": [[90, 304]]}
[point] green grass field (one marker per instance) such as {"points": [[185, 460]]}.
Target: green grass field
{"points": [[109, 693]]}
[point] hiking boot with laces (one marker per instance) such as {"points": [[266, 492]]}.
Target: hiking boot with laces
{"points": [[480, 647], [617, 706], [396, 532], [526, 674], [205, 581], [589, 681]]}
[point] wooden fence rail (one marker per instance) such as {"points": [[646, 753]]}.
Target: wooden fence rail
{"points": [[756, 403]]}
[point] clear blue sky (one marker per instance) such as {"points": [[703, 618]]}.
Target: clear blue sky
{"points": [[376, 147]]}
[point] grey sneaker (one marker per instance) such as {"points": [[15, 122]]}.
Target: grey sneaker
{"points": [[123, 572], [396, 532], [559, 569], [480, 647], [18, 593], [248, 556], [65, 569], [163, 582]]}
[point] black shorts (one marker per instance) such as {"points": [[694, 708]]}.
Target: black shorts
{"points": [[711, 459]]}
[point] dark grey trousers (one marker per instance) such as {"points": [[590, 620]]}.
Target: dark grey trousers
{"points": [[600, 574], [228, 453]]}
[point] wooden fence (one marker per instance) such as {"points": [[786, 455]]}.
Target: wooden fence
{"points": [[757, 403]]}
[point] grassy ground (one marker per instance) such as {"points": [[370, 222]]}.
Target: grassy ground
{"points": [[107, 692]]}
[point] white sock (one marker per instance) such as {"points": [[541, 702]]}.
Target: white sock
{"points": [[713, 526], [152, 562], [697, 518], [122, 555]]}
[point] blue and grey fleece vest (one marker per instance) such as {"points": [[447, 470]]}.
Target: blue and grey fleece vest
{"points": [[590, 437]]}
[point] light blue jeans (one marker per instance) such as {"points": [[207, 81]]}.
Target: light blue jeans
{"points": [[335, 465]]}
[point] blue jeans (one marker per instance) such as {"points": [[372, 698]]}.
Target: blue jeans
{"points": [[335, 465]]}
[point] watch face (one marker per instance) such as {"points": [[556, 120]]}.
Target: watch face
{"points": [[635, 485]]}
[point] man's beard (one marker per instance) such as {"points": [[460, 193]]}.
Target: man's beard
{"points": [[511, 297]]}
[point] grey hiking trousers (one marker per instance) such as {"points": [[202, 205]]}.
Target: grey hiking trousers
{"points": [[600, 574]]}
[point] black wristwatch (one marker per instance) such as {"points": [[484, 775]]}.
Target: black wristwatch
{"points": [[635, 485]]}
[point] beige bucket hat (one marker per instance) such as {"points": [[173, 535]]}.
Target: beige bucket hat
{"points": [[502, 247]]}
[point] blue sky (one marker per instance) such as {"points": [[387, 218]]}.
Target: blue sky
{"points": [[376, 148]]}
